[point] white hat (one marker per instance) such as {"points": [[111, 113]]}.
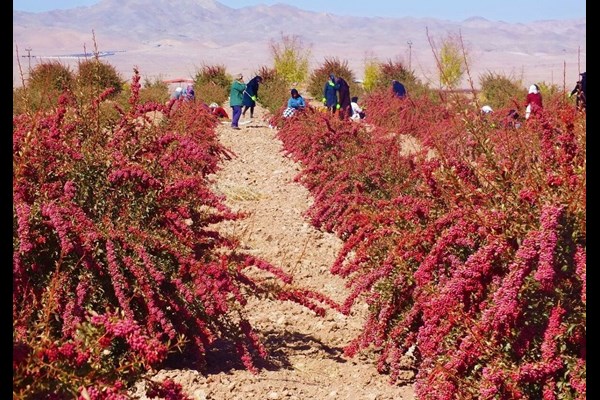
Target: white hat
{"points": [[179, 89], [213, 105], [486, 109]]}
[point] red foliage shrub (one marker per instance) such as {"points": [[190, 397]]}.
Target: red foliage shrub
{"points": [[470, 246], [115, 263]]}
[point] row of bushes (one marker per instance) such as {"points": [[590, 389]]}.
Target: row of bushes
{"points": [[212, 83], [117, 268], [466, 236], [111, 218]]}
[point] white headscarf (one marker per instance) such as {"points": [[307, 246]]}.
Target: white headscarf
{"points": [[533, 89]]}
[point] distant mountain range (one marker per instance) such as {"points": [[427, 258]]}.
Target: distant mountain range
{"points": [[172, 38]]}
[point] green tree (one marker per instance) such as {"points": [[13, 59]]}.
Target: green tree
{"points": [[451, 60], [372, 73], [290, 58], [452, 63]]}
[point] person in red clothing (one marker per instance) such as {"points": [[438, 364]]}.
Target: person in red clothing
{"points": [[533, 102], [218, 111]]}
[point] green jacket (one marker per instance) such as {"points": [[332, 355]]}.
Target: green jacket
{"points": [[236, 94]]}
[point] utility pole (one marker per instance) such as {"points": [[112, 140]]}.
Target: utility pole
{"points": [[409, 43], [29, 58]]}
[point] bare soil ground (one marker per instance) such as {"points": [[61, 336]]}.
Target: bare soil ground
{"points": [[307, 360]]}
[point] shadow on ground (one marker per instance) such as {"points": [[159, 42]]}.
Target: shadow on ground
{"points": [[280, 345]]}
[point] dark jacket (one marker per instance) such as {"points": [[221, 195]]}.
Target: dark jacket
{"points": [[330, 92], [398, 89], [580, 91], [344, 98], [251, 90]]}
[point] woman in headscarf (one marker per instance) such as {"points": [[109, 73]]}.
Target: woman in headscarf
{"points": [[250, 94], [177, 93], [236, 93], [344, 98], [330, 94], [295, 102], [533, 102], [190, 94]]}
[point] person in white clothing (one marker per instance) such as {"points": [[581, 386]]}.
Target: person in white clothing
{"points": [[357, 112], [178, 92]]}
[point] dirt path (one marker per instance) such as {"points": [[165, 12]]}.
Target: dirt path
{"points": [[307, 350]]}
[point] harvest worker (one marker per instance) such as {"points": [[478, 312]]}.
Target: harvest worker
{"points": [[487, 109], [398, 88], [250, 94], [357, 111], [295, 102], [236, 95], [533, 101], [188, 94], [177, 93], [580, 91], [220, 112], [330, 94], [344, 98]]}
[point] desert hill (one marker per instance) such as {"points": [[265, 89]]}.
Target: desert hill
{"points": [[174, 38]]}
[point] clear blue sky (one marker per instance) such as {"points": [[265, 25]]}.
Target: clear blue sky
{"points": [[456, 10]]}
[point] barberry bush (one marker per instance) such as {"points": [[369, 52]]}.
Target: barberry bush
{"points": [[339, 68], [94, 76], [212, 83], [153, 90], [500, 90], [466, 236], [45, 81], [396, 69], [117, 268], [274, 91]]}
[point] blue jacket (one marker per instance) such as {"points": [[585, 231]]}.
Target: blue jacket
{"points": [[330, 93], [399, 89], [296, 103]]}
